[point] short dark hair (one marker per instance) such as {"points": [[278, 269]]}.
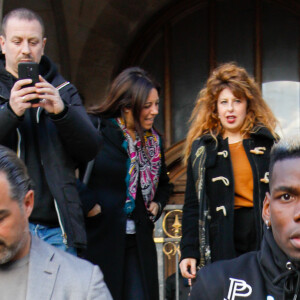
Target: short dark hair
{"points": [[287, 148], [22, 14], [16, 174]]}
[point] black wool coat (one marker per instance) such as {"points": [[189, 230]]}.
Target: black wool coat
{"points": [[106, 232], [217, 191]]}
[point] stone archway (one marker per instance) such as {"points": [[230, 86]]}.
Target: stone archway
{"points": [[108, 35]]}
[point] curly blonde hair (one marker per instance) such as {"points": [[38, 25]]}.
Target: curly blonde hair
{"points": [[204, 118]]}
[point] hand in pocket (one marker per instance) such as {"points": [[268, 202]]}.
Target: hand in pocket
{"points": [[94, 211]]}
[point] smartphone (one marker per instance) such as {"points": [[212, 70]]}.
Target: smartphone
{"points": [[29, 70]]}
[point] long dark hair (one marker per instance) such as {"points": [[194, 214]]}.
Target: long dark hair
{"points": [[130, 89]]}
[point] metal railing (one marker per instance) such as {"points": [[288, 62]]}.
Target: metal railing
{"points": [[167, 237]]}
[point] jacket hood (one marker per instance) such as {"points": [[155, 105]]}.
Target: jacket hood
{"points": [[47, 69], [7, 79], [261, 131], [279, 271], [258, 131]]}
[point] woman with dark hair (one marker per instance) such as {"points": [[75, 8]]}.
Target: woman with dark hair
{"points": [[227, 156], [131, 187]]}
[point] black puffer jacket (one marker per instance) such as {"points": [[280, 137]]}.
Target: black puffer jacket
{"points": [[210, 191], [265, 274], [63, 144]]}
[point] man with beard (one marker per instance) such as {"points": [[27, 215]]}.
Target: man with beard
{"points": [[52, 136], [30, 268], [274, 271]]}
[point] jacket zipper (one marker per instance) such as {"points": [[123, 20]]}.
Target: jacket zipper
{"points": [[19, 143], [64, 235]]}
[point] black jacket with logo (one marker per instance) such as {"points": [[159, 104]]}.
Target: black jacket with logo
{"points": [[267, 274], [62, 142]]}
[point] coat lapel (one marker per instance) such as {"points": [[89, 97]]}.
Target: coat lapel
{"points": [[42, 271]]}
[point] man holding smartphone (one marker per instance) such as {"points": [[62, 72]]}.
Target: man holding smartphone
{"points": [[52, 136]]}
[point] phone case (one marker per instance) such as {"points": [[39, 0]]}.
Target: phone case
{"points": [[29, 70]]}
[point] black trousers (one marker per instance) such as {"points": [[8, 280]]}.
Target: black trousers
{"points": [[244, 230], [133, 285]]}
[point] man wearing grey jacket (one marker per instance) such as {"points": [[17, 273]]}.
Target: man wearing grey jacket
{"points": [[30, 268]]}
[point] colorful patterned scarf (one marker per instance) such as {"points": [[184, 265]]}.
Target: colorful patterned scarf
{"points": [[144, 165]]}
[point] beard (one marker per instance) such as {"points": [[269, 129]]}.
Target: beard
{"points": [[7, 253]]}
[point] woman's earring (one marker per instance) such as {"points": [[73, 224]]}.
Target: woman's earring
{"points": [[268, 224]]}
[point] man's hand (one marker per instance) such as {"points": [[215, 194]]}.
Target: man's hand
{"points": [[188, 268], [19, 96], [153, 208], [50, 98]]}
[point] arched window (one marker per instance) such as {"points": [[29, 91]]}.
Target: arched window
{"points": [[186, 40]]}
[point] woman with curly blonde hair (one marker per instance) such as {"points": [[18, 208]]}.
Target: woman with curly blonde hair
{"points": [[227, 155]]}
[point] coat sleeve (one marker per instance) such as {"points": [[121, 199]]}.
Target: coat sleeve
{"points": [[80, 138], [88, 196], [164, 187], [97, 288], [190, 230], [8, 123]]}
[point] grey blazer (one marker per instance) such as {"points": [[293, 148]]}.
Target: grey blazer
{"points": [[56, 275]]}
